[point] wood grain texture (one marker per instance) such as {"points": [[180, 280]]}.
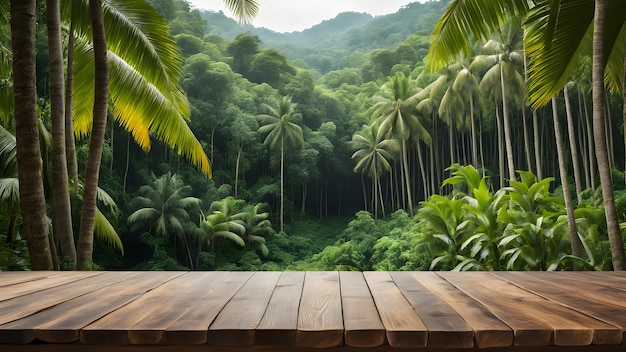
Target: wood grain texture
{"points": [[280, 321], [62, 323], [363, 327], [489, 331], [115, 327], [23, 306], [446, 328], [303, 312], [607, 307], [535, 320], [236, 323], [403, 326], [192, 326], [179, 301], [320, 319]]}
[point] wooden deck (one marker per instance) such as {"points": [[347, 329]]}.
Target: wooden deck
{"points": [[298, 311]]}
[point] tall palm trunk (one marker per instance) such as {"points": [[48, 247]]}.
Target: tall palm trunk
{"points": [[70, 143], [282, 184], [599, 60], [32, 199], [507, 127], [500, 148], [567, 195], [61, 206], [96, 142], [405, 166], [538, 168], [572, 143]]}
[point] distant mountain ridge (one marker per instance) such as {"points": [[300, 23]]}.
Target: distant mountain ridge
{"points": [[338, 37]]}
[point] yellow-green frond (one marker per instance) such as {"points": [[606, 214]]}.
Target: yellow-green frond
{"points": [[106, 232]]}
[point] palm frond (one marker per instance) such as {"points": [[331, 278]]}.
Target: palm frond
{"points": [[244, 10], [8, 153], [106, 232], [10, 191], [465, 20], [550, 64]]}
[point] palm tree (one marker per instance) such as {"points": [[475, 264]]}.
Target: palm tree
{"points": [[396, 114], [221, 223], [258, 226], [373, 156], [164, 209], [568, 23], [29, 164], [61, 205], [281, 133], [96, 141]]}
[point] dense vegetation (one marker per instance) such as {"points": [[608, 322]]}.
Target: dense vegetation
{"points": [[337, 148]]}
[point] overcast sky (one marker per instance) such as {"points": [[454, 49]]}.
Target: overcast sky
{"points": [[296, 15]]}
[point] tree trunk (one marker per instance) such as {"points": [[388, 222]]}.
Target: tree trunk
{"points": [[624, 113], [590, 141], [567, 195], [96, 142], [29, 165], [237, 170], [500, 147], [282, 182], [599, 60], [61, 206], [405, 165], [70, 143], [537, 144], [572, 143], [508, 142]]}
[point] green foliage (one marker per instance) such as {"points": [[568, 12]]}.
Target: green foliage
{"points": [[520, 227]]}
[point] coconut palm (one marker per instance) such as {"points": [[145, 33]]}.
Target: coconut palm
{"points": [[257, 225], [165, 209], [61, 205], [373, 156], [396, 114], [221, 223], [281, 134], [29, 164], [479, 18]]}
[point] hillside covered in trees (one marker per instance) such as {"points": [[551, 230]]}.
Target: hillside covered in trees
{"points": [[336, 148]]}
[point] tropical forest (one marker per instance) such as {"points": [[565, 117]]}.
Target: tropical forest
{"points": [[449, 135]]}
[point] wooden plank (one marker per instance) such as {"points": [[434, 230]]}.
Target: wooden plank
{"points": [[446, 328], [605, 307], [205, 348], [8, 278], [236, 323], [23, 306], [536, 321], [114, 328], [62, 323], [192, 326], [489, 331], [403, 326], [320, 321], [363, 327], [280, 321], [16, 287], [195, 288]]}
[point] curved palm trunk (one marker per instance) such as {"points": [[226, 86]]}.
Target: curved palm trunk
{"points": [[96, 142], [569, 203], [61, 206], [572, 143], [32, 199], [599, 59], [507, 127], [500, 147]]}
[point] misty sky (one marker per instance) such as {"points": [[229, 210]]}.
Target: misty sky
{"points": [[296, 15]]}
